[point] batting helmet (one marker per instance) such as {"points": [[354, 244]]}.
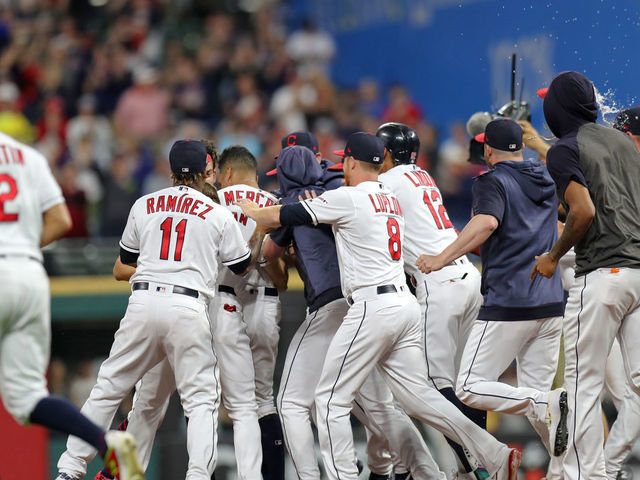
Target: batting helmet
{"points": [[401, 141]]}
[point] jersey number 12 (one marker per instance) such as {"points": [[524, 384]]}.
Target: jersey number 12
{"points": [[441, 217], [181, 228]]}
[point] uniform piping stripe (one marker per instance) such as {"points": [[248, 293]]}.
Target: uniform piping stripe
{"points": [[334, 387], [214, 413], [284, 388], [237, 259], [308, 209], [129, 249], [575, 395], [426, 317], [468, 389]]}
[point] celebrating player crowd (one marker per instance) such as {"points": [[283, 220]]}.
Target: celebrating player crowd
{"points": [[399, 323]]}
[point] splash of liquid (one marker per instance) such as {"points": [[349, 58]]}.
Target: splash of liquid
{"points": [[608, 105]]}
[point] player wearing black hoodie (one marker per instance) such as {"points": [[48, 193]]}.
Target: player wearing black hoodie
{"points": [[595, 169]]}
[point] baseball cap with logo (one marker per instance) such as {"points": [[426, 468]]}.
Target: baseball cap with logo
{"points": [[361, 146], [188, 156], [300, 138], [502, 134], [628, 121]]}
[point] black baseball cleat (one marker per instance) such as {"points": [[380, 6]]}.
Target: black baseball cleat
{"points": [[625, 473], [557, 411]]}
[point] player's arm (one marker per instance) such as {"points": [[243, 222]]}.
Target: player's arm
{"points": [[267, 216], [579, 218], [122, 271], [531, 138], [564, 166], [56, 221], [474, 234], [275, 266]]}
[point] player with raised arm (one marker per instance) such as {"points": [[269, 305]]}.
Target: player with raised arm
{"points": [[449, 299], [32, 215], [175, 238], [382, 328]]}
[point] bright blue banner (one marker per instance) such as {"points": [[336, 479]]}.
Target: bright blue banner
{"points": [[454, 55]]}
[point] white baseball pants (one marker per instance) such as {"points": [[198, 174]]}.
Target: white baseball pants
{"points": [[492, 346], [385, 330], [158, 324], [450, 300], [602, 304], [25, 335], [626, 429]]}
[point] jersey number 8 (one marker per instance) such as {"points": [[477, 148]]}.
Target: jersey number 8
{"points": [[395, 247]]}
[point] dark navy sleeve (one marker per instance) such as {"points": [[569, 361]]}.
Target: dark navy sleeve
{"points": [[295, 214], [489, 197], [282, 236], [564, 167]]}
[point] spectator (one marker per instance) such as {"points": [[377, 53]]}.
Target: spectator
{"points": [[311, 49], [91, 128], [120, 193], [12, 121], [401, 108], [76, 202], [143, 110]]}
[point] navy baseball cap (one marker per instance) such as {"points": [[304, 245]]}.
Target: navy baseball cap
{"points": [[502, 134], [628, 121], [300, 138], [361, 146], [188, 156]]}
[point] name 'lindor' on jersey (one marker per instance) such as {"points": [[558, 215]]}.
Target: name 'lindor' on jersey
{"points": [[383, 203], [182, 204]]}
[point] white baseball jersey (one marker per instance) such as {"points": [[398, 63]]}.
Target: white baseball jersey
{"points": [[369, 229], [430, 231], [27, 190], [228, 196], [161, 221]]}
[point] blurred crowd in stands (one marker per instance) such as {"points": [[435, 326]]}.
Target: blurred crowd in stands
{"points": [[104, 88]]}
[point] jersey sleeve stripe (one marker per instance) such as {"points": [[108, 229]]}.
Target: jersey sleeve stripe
{"points": [[308, 209], [129, 249], [226, 263]]}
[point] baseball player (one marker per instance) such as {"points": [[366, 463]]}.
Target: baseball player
{"points": [[382, 327], [175, 238], [515, 214], [428, 229], [391, 430], [230, 340], [254, 302], [32, 215], [331, 178], [590, 165]]}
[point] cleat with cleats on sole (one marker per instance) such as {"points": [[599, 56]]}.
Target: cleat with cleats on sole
{"points": [[509, 470], [557, 412]]}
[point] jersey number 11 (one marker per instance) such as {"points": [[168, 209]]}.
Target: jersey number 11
{"points": [[181, 228]]}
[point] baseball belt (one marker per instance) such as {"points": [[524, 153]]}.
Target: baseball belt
{"points": [[175, 289], [268, 291]]}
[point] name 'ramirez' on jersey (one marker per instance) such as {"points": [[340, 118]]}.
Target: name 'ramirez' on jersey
{"points": [[162, 220]]}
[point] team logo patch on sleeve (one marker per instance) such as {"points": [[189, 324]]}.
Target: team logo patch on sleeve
{"points": [[230, 308]]}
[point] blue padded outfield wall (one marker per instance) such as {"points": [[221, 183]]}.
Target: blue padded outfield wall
{"points": [[454, 55]]}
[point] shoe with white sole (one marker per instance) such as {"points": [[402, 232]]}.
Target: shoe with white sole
{"points": [[509, 470], [121, 458], [557, 411]]}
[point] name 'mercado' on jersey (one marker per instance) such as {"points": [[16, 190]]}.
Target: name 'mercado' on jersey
{"points": [[428, 228], [368, 226], [27, 190], [228, 196], [182, 236]]}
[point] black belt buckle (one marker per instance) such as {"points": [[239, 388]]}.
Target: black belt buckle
{"points": [[179, 290], [140, 286]]}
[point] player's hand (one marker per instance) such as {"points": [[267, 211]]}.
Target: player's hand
{"points": [[531, 138], [308, 195], [429, 263], [545, 266], [248, 207]]}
